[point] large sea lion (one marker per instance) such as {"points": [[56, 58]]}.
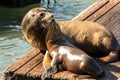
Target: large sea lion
{"points": [[93, 38], [67, 55]]}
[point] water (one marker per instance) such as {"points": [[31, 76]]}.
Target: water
{"points": [[12, 42]]}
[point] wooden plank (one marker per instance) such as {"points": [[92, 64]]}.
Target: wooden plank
{"points": [[113, 24], [113, 17], [117, 34], [103, 10], [115, 28], [90, 10], [22, 61], [112, 71], [30, 65], [109, 16], [36, 72]]}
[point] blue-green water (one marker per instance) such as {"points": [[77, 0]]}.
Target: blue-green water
{"points": [[12, 42]]}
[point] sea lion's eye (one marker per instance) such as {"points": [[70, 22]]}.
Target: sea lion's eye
{"points": [[42, 14], [33, 15]]}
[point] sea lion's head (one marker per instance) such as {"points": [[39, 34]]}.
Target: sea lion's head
{"points": [[33, 25]]}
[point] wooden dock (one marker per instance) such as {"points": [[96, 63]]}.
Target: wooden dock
{"points": [[29, 67]]}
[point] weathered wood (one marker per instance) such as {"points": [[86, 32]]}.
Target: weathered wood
{"points": [[22, 61], [111, 70], [29, 67], [10, 71], [109, 16], [90, 10], [102, 11], [36, 71]]}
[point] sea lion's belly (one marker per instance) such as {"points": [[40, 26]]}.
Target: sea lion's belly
{"points": [[72, 58]]}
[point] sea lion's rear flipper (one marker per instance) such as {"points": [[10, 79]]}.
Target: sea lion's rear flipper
{"points": [[113, 55]]}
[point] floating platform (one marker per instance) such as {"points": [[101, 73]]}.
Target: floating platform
{"points": [[29, 67]]}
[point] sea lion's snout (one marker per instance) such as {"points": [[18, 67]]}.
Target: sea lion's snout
{"points": [[47, 19]]}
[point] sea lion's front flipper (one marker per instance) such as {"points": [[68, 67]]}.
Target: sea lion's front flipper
{"points": [[51, 70], [47, 60]]}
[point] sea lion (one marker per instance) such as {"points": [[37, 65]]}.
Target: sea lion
{"points": [[67, 55], [93, 38]]}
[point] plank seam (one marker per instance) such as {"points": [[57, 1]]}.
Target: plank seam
{"points": [[27, 73], [82, 13], [95, 11], [25, 62], [37, 75], [113, 16], [106, 12]]}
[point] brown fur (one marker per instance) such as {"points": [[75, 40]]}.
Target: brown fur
{"points": [[67, 55], [91, 37]]}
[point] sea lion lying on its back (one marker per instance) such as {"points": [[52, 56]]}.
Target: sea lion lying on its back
{"points": [[91, 37], [67, 55]]}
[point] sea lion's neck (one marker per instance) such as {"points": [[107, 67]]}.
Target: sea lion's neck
{"points": [[54, 36]]}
